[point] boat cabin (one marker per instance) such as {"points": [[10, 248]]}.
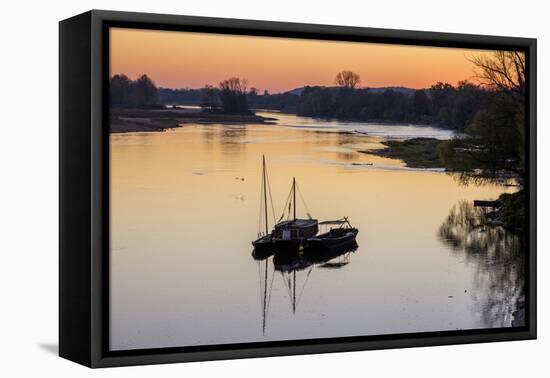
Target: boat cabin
{"points": [[296, 229]]}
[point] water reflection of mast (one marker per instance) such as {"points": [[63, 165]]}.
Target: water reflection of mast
{"points": [[265, 298], [291, 289], [294, 294], [293, 297], [265, 295], [289, 265], [294, 300]]}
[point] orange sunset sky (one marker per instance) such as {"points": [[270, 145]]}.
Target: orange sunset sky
{"points": [[192, 60]]}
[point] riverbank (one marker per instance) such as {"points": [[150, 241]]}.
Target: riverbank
{"points": [[382, 121], [416, 152], [124, 120], [511, 212]]}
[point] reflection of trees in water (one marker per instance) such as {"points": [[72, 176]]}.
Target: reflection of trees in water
{"points": [[232, 134], [228, 137], [346, 156], [345, 138], [208, 136], [498, 257]]}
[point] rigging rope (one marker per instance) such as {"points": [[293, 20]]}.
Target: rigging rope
{"points": [[270, 197], [303, 200], [287, 202], [304, 286], [288, 284]]}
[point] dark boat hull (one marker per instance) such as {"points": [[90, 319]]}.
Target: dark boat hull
{"points": [[287, 245], [324, 254], [290, 260], [262, 252], [327, 242], [263, 248]]}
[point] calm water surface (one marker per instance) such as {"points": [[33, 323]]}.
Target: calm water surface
{"points": [[185, 207]]}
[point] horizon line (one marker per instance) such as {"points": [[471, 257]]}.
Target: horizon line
{"points": [[261, 92]]}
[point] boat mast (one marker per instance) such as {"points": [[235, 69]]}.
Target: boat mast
{"points": [[294, 195], [265, 194]]}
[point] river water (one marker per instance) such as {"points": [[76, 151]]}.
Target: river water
{"points": [[185, 207]]}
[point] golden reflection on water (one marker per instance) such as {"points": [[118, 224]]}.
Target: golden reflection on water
{"points": [[185, 207]]}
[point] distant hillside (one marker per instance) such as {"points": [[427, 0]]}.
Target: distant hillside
{"points": [[193, 96], [181, 96], [404, 90], [296, 91]]}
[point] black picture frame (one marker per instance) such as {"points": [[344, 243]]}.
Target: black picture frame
{"points": [[84, 188]]}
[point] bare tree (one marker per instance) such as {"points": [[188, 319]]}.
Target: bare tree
{"points": [[232, 95], [347, 79], [494, 149], [235, 85], [502, 70]]}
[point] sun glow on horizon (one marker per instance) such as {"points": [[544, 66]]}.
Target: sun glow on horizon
{"points": [[193, 60]]}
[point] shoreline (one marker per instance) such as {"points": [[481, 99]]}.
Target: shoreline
{"points": [[126, 120], [380, 121], [344, 119], [418, 152]]}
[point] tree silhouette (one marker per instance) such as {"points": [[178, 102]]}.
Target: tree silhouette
{"points": [[209, 98], [494, 148], [233, 95], [119, 89], [131, 93], [503, 70], [347, 79], [144, 91]]}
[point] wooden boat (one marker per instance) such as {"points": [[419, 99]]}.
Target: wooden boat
{"points": [[291, 234], [336, 238]]}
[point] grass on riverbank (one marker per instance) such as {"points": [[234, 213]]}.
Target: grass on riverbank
{"points": [[416, 152]]}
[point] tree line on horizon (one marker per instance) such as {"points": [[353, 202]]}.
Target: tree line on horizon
{"points": [[125, 92], [230, 97], [442, 104]]}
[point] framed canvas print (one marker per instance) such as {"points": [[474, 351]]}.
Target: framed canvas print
{"points": [[233, 188]]}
